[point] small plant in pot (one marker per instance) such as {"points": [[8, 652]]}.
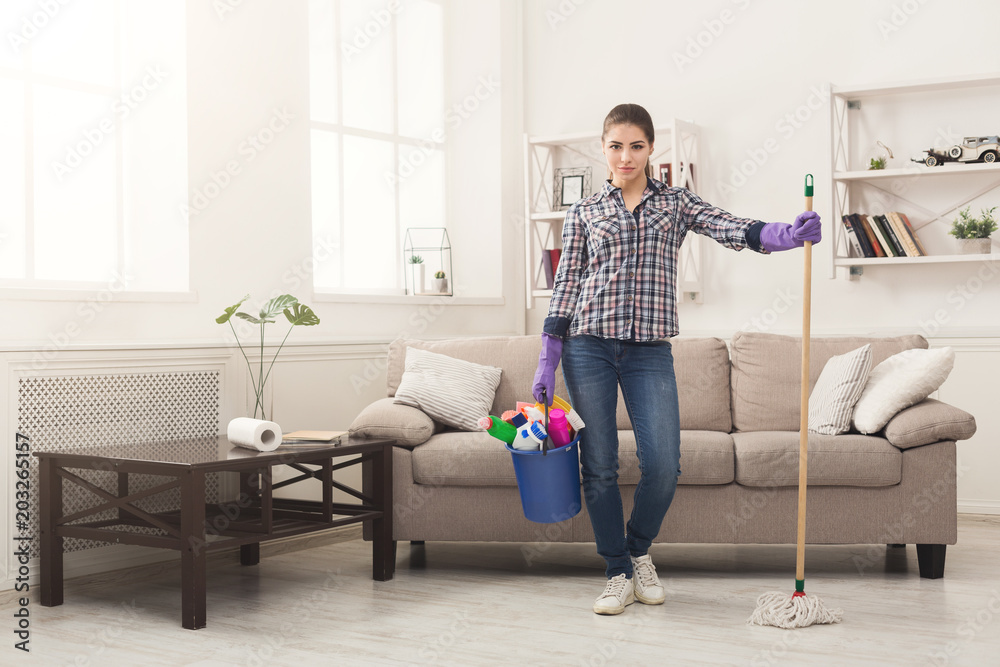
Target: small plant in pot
{"points": [[973, 233], [417, 275], [440, 282]]}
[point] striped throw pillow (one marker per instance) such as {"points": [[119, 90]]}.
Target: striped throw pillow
{"points": [[832, 400], [452, 391]]}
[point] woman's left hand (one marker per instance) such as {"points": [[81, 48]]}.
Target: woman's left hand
{"points": [[777, 236]]}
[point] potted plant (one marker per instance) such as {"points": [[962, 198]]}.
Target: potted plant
{"points": [[416, 261], [440, 282], [298, 314], [973, 233]]}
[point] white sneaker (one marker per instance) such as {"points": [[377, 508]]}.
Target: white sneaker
{"points": [[617, 595], [647, 585]]}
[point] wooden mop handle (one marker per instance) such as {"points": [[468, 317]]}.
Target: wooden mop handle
{"points": [[800, 550]]}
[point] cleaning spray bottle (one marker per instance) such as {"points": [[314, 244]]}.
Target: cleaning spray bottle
{"points": [[530, 437], [558, 428], [498, 428]]}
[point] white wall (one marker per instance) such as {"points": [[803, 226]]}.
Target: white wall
{"points": [[759, 62]]}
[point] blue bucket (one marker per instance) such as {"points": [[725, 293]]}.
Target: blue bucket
{"points": [[549, 483]]}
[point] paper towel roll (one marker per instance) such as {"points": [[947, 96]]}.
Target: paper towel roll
{"points": [[264, 436]]}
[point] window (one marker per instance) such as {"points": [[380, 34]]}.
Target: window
{"points": [[378, 136], [94, 161]]}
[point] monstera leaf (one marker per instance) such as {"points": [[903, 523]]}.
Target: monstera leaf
{"points": [[224, 317], [301, 315], [276, 305]]}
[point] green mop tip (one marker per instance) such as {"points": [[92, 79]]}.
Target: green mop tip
{"points": [[799, 610]]}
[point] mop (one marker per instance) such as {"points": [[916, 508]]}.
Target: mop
{"points": [[799, 610]]}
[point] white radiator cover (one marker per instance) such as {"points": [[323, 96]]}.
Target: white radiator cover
{"points": [[77, 412]]}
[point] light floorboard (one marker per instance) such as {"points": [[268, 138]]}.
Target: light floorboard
{"points": [[485, 604]]}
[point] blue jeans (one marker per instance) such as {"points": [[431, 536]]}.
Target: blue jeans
{"points": [[593, 368]]}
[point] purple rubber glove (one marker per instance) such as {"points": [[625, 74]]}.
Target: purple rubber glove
{"points": [[775, 236], [545, 376]]}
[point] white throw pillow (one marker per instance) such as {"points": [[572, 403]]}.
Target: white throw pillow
{"points": [[899, 382], [838, 388], [452, 391]]}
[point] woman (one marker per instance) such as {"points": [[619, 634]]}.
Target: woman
{"points": [[612, 312]]}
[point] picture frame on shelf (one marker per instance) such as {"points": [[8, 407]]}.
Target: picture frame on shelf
{"points": [[570, 185]]}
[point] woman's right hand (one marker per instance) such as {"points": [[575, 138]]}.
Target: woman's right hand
{"points": [[545, 376]]}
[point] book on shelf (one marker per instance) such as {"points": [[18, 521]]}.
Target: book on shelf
{"points": [[890, 232], [902, 233], [912, 233], [550, 264], [870, 235], [547, 273], [854, 247], [888, 235], [880, 236]]}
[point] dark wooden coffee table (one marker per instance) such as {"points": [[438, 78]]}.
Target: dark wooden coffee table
{"points": [[195, 528]]}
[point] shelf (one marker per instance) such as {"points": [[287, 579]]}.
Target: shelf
{"points": [[554, 215], [927, 259], [927, 85], [914, 171]]}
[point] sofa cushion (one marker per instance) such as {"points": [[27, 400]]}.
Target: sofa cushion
{"points": [[706, 458], [771, 458], [478, 459], [455, 392], [517, 356], [456, 458], [832, 399], [385, 419], [929, 421], [766, 373], [899, 382], [701, 366]]}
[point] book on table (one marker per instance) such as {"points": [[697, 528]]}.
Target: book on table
{"points": [[312, 438]]}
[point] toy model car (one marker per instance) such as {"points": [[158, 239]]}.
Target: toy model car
{"points": [[972, 149]]}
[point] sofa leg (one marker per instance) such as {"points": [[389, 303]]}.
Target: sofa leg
{"points": [[930, 559], [896, 546], [416, 543]]}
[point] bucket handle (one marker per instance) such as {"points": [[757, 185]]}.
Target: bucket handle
{"points": [[545, 405]]}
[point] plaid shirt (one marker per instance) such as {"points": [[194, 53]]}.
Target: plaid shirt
{"points": [[617, 273]]}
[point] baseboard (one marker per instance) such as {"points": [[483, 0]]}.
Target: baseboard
{"points": [[978, 506]]}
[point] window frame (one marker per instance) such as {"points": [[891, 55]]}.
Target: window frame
{"points": [[30, 286], [398, 141]]}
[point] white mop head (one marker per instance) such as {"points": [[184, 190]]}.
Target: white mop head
{"points": [[782, 610]]}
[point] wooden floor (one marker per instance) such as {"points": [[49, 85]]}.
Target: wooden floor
{"points": [[484, 604]]}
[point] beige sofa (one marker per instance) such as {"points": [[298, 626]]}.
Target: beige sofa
{"points": [[739, 410]]}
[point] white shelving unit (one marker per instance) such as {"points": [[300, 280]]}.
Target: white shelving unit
{"points": [[914, 189], [676, 143]]}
